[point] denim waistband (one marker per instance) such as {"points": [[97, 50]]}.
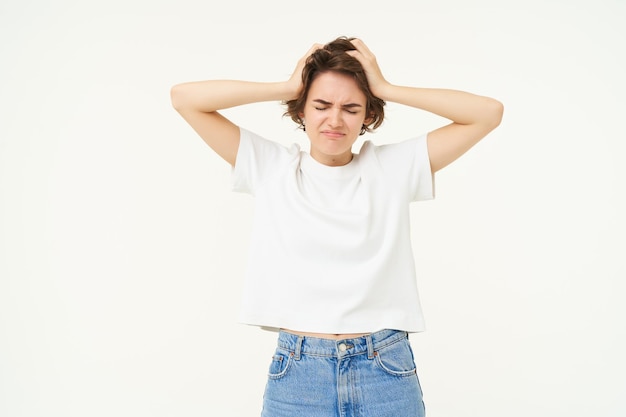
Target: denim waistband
{"points": [[369, 344]]}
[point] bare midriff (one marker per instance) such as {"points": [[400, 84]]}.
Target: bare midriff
{"points": [[326, 335]]}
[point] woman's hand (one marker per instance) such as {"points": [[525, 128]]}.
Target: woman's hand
{"points": [[367, 59], [294, 84], [472, 116]]}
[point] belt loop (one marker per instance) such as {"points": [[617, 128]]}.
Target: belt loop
{"points": [[370, 346], [298, 348]]}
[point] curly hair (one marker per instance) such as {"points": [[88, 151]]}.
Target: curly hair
{"points": [[332, 57]]}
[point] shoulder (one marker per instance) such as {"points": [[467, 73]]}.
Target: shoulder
{"points": [[259, 158], [255, 147], [405, 165], [406, 151]]}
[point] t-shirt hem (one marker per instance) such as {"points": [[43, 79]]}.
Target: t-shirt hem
{"points": [[274, 326]]}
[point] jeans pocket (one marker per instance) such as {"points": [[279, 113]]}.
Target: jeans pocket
{"points": [[281, 362], [396, 359]]}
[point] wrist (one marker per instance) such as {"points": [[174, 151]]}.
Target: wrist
{"points": [[383, 91], [288, 91]]}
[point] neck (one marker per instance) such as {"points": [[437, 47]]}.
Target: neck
{"points": [[333, 160]]}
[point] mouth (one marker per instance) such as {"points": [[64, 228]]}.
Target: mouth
{"points": [[332, 134]]}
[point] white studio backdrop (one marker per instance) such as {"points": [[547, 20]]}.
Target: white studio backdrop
{"points": [[122, 247]]}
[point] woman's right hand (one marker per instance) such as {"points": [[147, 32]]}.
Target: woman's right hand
{"points": [[294, 84], [199, 103]]}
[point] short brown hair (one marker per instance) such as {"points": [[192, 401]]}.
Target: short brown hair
{"points": [[332, 57]]}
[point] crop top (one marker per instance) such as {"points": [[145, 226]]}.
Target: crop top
{"points": [[330, 250]]}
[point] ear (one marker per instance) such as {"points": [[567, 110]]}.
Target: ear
{"points": [[368, 120]]}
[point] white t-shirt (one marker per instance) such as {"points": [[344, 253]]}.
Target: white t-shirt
{"points": [[330, 250]]}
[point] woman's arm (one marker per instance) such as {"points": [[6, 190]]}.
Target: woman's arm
{"points": [[198, 103], [472, 116]]}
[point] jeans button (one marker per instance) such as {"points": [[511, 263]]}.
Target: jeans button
{"points": [[342, 347]]}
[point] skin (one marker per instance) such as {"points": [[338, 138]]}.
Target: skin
{"points": [[330, 124], [472, 116], [334, 114]]}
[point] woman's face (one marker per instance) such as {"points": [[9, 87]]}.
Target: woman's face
{"points": [[334, 112]]}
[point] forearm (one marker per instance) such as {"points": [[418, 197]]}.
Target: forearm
{"points": [[210, 96], [458, 106]]}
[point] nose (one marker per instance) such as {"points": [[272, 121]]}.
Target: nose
{"points": [[334, 117]]}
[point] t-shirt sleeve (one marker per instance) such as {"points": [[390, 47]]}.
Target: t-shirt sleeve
{"points": [[257, 158], [409, 166], [423, 180]]}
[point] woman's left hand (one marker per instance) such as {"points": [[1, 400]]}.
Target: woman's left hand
{"points": [[367, 59]]}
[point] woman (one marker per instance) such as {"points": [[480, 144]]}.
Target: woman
{"points": [[331, 265]]}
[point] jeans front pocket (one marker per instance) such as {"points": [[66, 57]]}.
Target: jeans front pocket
{"points": [[281, 362], [396, 359]]}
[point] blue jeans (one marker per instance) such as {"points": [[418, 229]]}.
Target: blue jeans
{"points": [[370, 376]]}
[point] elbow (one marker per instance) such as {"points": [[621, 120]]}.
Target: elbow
{"points": [[495, 110], [177, 96]]}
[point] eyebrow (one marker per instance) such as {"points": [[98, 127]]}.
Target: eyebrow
{"points": [[327, 103]]}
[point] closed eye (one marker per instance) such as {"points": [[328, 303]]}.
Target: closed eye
{"points": [[347, 107], [346, 110]]}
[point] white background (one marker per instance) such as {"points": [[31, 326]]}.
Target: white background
{"points": [[122, 247]]}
